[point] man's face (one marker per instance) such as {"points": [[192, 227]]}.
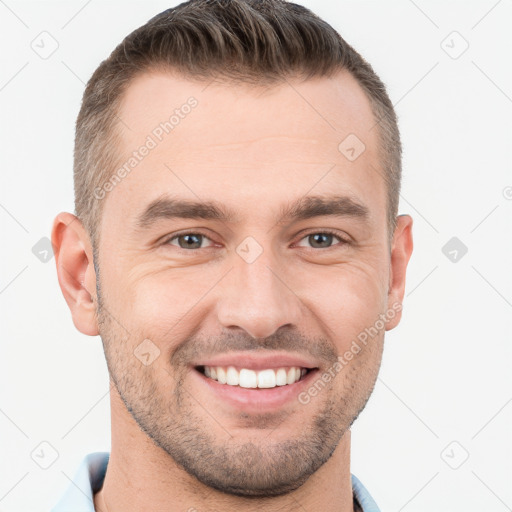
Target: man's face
{"points": [[177, 293]]}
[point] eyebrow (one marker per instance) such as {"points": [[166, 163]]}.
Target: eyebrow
{"points": [[307, 207]]}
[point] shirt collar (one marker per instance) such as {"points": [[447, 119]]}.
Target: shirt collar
{"points": [[90, 475], [87, 480]]}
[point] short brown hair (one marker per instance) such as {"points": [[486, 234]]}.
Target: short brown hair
{"points": [[259, 42]]}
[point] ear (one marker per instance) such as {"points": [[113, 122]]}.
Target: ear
{"points": [[401, 251], [75, 271]]}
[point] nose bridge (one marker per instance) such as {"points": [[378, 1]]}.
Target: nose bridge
{"points": [[256, 296]]}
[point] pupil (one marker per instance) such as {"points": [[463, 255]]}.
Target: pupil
{"points": [[191, 240], [317, 239]]}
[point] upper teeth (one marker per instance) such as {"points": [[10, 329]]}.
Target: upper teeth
{"points": [[254, 379]]}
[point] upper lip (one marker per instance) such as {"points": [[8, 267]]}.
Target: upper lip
{"points": [[253, 361]]}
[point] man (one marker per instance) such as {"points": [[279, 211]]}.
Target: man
{"points": [[237, 247]]}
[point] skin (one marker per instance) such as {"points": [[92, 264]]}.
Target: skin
{"points": [[175, 444]]}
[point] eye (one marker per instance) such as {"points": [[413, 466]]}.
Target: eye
{"points": [[322, 239], [188, 240], [316, 240]]}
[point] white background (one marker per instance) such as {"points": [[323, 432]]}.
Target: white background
{"points": [[446, 370]]}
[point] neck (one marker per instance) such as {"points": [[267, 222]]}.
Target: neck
{"points": [[142, 476]]}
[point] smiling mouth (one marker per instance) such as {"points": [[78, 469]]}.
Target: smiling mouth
{"points": [[259, 379]]}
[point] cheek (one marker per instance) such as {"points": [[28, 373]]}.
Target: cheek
{"points": [[347, 302], [165, 304]]}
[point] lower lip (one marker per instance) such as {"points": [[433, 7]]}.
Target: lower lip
{"points": [[256, 399]]}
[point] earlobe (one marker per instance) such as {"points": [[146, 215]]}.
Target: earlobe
{"points": [[75, 271], [401, 251]]}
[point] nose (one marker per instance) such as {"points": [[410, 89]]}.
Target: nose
{"points": [[258, 297]]}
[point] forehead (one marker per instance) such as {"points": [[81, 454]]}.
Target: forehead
{"points": [[241, 143], [328, 107]]}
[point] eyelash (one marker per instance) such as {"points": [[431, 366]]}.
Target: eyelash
{"points": [[342, 240]]}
